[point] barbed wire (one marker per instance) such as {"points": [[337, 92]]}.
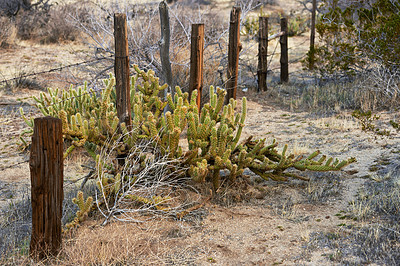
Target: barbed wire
{"points": [[55, 69], [13, 165]]}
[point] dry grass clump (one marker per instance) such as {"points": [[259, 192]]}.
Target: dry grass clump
{"points": [[15, 227], [373, 244], [156, 242], [21, 80], [376, 240], [333, 97], [320, 189], [16, 223], [378, 198]]}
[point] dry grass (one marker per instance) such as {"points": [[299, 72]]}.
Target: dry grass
{"points": [[155, 242], [376, 239], [120, 243]]}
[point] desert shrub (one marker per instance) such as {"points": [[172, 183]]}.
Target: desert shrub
{"points": [[7, 32], [47, 23], [297, 25], [357, 47], [144, 36], [12, 7], [354, 35]]}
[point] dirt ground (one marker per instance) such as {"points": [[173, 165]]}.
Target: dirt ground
{"points": [[272, 225]]}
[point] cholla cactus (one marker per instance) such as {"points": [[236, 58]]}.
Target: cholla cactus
{"points": [[212, 135], [84, 209]]}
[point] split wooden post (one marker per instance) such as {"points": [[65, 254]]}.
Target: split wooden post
{"points": [[121, 69], [233, 54], [196, 62], [47, 173], [312, 36], [284, 51], [262, 54]]}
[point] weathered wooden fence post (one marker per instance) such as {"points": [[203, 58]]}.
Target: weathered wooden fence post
{"points": [[47, 171], [312, 36], [262, 53], [284, 51], [121, 69], [233, 53], [196, 61], [164, 47]]}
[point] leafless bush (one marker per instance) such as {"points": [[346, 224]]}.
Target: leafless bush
{"points": [[12, 7], [383, 83], [47, 23], [147, 185], [144, 35], [7, 32]]}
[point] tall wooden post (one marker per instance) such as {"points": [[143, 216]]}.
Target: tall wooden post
{"points": [[262, 54], [312, 36], [164, 47], [121, 69], [284, 51], [47, 174], [233, 53], [196, 62]]}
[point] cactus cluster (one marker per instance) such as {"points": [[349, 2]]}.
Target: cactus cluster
{"points": [[212, 134], [84, 209], [88, 120]]}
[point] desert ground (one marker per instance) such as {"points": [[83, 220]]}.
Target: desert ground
{"points": [[346, 217]]}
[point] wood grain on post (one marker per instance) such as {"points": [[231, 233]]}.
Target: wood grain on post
{"points": [[46, 168], [262, 54], [312, 36], [284, 51], [196, 62], [164, 48], [233, 53], [121, 69]]}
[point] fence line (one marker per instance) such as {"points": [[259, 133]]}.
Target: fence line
{"points": [[13, 165], [54, 69]]}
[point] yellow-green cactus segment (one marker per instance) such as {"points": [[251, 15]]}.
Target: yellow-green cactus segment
{"points": [[241, 124], [84, 209]]}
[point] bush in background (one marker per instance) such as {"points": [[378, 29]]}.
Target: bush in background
{"points": [[7, 32], [47, 24], [354, 35], [42, 22]]}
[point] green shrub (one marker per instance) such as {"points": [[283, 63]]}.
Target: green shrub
{"points": [[354, 36], [297, 25]]}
